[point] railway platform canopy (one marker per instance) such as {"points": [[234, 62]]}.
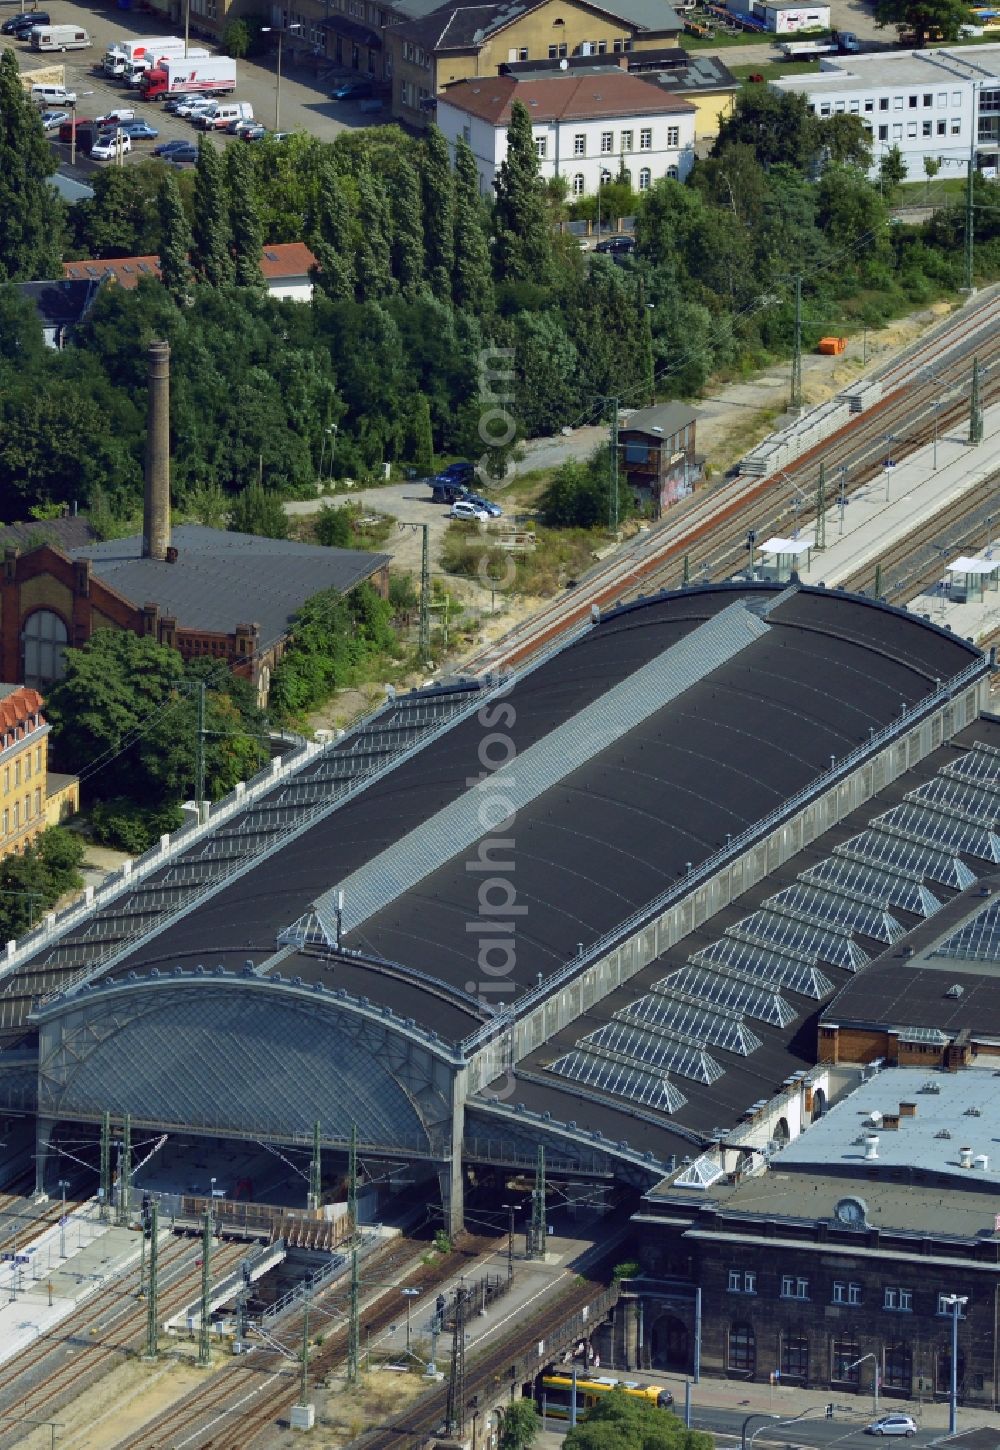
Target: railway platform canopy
{"points": [[969, 578], [781, 558], [382, 950]]}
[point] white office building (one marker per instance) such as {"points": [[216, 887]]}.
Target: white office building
{"points": [[587, 126], [943, 104]]}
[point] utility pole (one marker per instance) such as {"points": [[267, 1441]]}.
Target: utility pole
{"points": [[538, 1230], [352, 1180], [354, 1324], [125, 1173], [455, 1415], [795, 401], [316, 1172], [425, 596], [204, 1337], [975, 407], [153, 1285], [304, 1378], [199, 753], [105, 1167], [613, 491], [970, 216], [821, 509]]}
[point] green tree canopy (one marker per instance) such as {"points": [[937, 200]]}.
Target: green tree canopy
{"points": [[245, 224], [175, 239], [924, 19], [472, 281], [258, 510], [438, 212], [520, 1426], [523, 249], [777, 125], [31, 215], [624, 1422], [211, 251]]}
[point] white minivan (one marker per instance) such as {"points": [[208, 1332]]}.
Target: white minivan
{"points": [[218, 117], [51, 97]]}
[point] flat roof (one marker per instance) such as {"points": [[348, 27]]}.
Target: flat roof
{"points": [[952, 1111], [937, 67]]}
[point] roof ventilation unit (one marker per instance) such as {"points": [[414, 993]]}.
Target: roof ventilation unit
{"points": [[965, 1156], [930, 1087], [871, 1148], [982, 1162]]}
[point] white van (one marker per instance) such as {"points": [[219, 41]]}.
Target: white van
{"points": [[60, 37], [218, 117], [50, 97]]}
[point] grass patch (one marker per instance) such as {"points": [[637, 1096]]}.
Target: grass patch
{"points": [[774, 69], [559, 556]]}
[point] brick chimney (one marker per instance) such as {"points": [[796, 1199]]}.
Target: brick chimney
{"points": [[156, 509]]}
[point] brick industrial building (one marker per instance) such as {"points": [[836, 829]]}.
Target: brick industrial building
{"points": [[205, 592]]}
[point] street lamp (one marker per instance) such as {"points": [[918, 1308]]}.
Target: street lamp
{"points": [[279, 31], [875, 1373], [63, 1184], [410, 1295], [956, 1303]]}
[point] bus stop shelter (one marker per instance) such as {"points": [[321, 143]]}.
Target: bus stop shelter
{"points": [[780, 558]]}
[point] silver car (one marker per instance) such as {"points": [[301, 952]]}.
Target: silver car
{"points": [[893, 1425]]}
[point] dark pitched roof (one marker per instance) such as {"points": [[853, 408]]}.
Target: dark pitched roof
{"points": [[221, 579], [70, 534], [465, 27], [699, 73], [60, 304]]}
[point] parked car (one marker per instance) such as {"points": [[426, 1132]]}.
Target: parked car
{"points": [[493, 510], [193, 105], [110, 145], [355, 90], [461, 472], [239, 124], [281, 135], [166, 148], [464, 508], [116, 118], [140, 131], [186, 155], [896, 1424], [616, 246], [66, 127], [22, 25], [254, 132], [52, 120]]}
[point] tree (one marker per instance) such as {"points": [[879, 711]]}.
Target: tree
{"points": [[236, 39], [33, 882], [31, 215], [579, 496], [119, 220], [523, 250], [175, 240], [846, 139], [373, 256], [437, 189], [891, 171], [622, 1422], [924, 19], [520, 1426], [420, 439], [332, 240], [407, 228], [472, 282], [333, 527], [244, 217], [776, 125], [259, 511], [212, 234], [932, 165]]}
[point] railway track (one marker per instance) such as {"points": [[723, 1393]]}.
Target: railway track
{"points": [[243, 1400], [709, 527], [120, 1324]]}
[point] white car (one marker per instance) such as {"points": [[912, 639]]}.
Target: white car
{"points": [[105, 148], [893, 1425], [52, 120], [194, 105], [115, 118], [462, 509]]}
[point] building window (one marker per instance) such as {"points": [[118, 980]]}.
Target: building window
{"points": [[645, 179], [793, 1288], [578, 187], [602, 47], [44, 639], [553, 51], [672, 173], [898, 1300], [626, 141], [17, 772], [605, 176], [38, 757], [844, 1293], [742, 1281], [541, 144], [942, 128], [673, 135], [914, 102], [869, 107], [898, 1374], [825, 109], [956, 126], [897, 103], [794, 1357], [579, 144], [855, 108], [6, 822], [6, 778], [38, 801], [27, 765], [956, 98], [845, 1354], [897, 131], [911, 129], [607, 142], [883, 104], [646, 138], [928, 98], [927, 128], [741, 1357], [17, 815], [619, 46]]}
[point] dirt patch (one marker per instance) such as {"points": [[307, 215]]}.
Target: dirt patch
{"points": [[343, 1411]]}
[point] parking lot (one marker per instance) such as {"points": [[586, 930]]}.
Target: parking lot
{"points": [[305, 102]]}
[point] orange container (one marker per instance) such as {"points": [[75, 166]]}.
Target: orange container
{"points": [[832, 346]]}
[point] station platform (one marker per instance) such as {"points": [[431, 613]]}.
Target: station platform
{"points": [[870, 523], [39, 1288]]}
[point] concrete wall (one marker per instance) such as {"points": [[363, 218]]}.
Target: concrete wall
{"points": [[824, 811]]}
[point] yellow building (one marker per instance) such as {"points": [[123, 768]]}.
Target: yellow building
{"points": [[701, 80], [29, 799], [425, 53]]}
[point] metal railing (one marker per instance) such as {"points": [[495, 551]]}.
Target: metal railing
{"points": [[751, 836]]}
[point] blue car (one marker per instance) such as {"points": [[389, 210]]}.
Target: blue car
{"points": [[140, 130], [166, 148], [486, 504]]}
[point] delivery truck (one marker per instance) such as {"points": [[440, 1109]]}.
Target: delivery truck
{"points": [[121, 52], [137, 68], [214, 76]]}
